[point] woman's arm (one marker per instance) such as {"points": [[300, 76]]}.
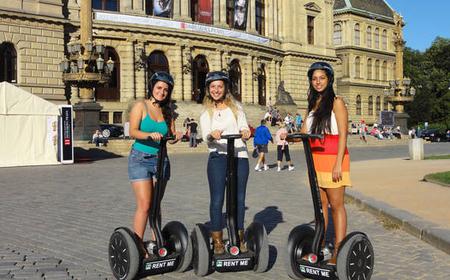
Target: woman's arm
{"points": [[135, 121], [174, 132], [341, 114], [304, 129]]}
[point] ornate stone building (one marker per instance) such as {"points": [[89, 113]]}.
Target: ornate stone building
{"points": [[279, 42], [364, 34]]}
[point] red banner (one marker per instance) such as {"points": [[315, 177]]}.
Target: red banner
{"points": [[205, 11]]}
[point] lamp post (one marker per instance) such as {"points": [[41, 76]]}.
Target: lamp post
{"points": [[85, 68]]}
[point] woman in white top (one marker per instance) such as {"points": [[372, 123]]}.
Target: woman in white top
{"points": [[223, 115], [328, 115]]}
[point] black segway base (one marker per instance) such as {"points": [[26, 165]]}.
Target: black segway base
{"points": [[229, 263], [157, 265]]}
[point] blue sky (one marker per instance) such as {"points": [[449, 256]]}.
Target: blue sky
{"points": [[425, 20]]}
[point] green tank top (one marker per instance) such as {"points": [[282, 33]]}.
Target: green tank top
{"points": [[149, 125]]}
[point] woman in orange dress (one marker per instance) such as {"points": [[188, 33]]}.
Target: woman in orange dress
{"points": [[328, 115]]}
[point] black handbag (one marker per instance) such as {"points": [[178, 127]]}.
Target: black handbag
{"points": [[255, 153]]}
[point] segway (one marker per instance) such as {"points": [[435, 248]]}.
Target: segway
{"points": [[306, 259], [171, 251], [257, 257]]}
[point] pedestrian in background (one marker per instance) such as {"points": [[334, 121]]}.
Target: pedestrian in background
{"points": [[327, 115], [283, 147], [260, 141]]}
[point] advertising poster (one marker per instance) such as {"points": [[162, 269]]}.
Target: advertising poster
{"points": [[66, 154], [205, 11], [240, 14], [162, 8]]}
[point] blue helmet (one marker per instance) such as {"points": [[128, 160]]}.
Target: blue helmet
{"points": [[216, 76], [321, 66], [163, 77]]}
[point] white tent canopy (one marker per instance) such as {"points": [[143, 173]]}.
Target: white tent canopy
{"points": [[28, 128]]}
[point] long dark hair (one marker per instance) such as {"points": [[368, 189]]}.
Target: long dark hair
{"points": [[322, 115]]}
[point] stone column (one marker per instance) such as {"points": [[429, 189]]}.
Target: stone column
{"points": [[185, 52], [270, 10], [251, 14], [177, 9], [184, 11], [222, 13]]}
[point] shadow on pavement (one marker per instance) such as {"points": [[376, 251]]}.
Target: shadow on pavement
{"points": [[270, 217], [93, 154]]}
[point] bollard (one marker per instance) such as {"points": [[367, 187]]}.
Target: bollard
{"points": [[416, 149]]}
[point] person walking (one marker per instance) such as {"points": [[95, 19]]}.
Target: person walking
{"points": [[192, 128], [150, 120], [327, 115], [260, 142], [283, 147], [223, 115]]}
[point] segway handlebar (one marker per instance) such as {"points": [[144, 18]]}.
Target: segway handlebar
{"points": [[167, 138], [231, 136], [304, 136]]}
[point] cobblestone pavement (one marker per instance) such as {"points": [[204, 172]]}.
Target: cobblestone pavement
{"points": [[55, 221]]}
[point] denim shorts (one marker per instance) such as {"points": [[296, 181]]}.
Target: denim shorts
{"points": [[143, 166]]}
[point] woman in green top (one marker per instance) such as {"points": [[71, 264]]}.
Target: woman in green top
{"points": [[150, 120]]}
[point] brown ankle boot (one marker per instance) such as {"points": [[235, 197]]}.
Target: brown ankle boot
{"points": [[217, 237], [243, 245]]}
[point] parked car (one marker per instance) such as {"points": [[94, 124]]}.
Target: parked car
{"points": [[111, 130], [434, 135]]}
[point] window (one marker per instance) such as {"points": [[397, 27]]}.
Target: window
{"points": [[157, 61], [337, 34], [117, 117], [384, 70], [378, 104], [260, 22], [8, 63], [357, 67], [377, 38], [110, 91], [310, 31], [377, 70], [104, 117], [369, 37], [369, 69], [230, 12], [358, 105], [357, 35], [235, 79], [106, 5], [385, 104], [194, 10], [370, 111], [384, 39]]}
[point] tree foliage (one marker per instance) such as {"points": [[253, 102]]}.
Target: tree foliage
{"points": [[430, 75]]}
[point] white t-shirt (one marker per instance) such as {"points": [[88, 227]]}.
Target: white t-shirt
{"points": [[333, 124], [224, 120]]}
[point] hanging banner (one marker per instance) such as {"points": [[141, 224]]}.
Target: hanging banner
{"points": [[205, 11], [163, 8], [65, 132], [240, 14]]}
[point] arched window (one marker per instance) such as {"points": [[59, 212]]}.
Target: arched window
{"points": [[370, 109], [357, 67], [8, 63], [358, 105], [157, 61], [378, 104], [369, 37], [260, 17], [377, 38], [384, 70], [200, 68], [110, 91], [261, 85], [377, 70], [369, 69], [384, 39], [106, 5], [235, 79], [357, 35], [337, 34]]}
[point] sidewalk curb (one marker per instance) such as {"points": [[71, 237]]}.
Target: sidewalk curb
{"points": [[431, 233]]}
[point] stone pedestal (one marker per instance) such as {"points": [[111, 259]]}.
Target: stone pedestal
{"points": [[416, 149], [401, 119], [86, 119]]}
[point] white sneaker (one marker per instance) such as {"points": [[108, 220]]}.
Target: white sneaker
{"points": [[266, 167], [257, 167], [291, 168], [279, 169]]}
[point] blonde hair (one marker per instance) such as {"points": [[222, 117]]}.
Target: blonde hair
{"points": [[230, 101]]}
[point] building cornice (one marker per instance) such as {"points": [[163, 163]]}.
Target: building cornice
{"points": [[350, 48], [365, 14], [31, 16]]}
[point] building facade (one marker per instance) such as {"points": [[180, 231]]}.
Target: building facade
{"points": [[364, 34], [272, 44]]}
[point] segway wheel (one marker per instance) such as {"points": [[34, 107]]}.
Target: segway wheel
{"points": [[123, 255], [257, 241], [177, 240], [201, 250], [298, 245], [355, 257]]}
